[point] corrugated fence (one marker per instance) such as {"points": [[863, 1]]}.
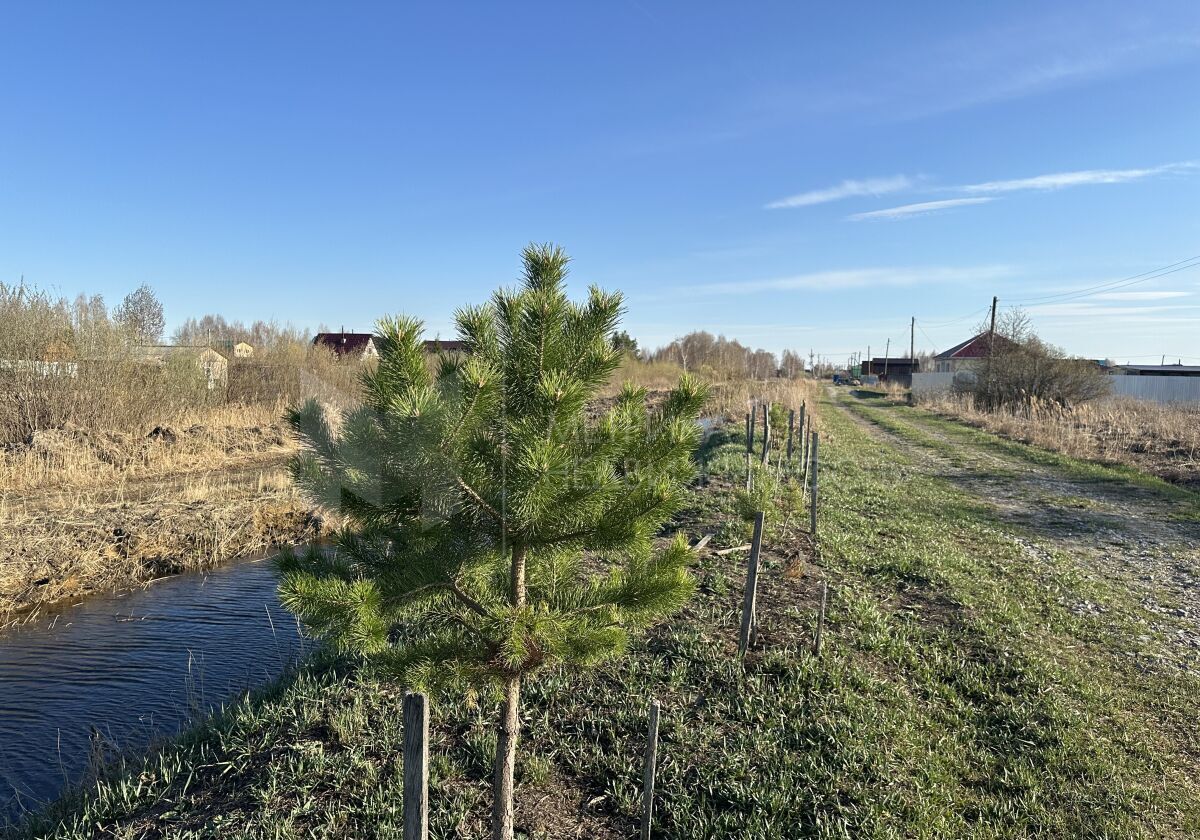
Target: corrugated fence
{"points": [[1160, 389]]}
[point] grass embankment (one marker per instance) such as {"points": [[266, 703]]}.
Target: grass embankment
{"points": [[1163, 440], [1098, 470], [85, 511], [957, 696]]}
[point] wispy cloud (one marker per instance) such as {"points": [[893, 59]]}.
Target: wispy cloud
{"points": [[856, 278], [905, 211], [846, 189], [1059, 180], [987, 190], [1140, 295]]}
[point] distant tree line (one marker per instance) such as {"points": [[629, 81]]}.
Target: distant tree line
{"points": [[702, 352], [210, 330]]}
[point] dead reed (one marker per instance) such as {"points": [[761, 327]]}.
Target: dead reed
{"points": [[1161, 439], [65, 547]]}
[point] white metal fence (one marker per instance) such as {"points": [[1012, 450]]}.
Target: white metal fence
{"points": [[931, 384], [1160, 389]]}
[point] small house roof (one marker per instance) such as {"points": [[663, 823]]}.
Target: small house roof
{"points": [[344, 343], [975, 347], [439, 346]]}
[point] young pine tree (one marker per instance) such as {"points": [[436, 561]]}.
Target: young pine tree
{"points": [[496, 526]]}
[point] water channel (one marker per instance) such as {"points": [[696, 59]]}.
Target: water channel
{"points": [[118, 671]]}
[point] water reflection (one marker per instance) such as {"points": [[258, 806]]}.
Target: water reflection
{"points": [[118, 670]]}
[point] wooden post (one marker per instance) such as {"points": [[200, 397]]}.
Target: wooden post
{"points": [[820, 620], [791, 431], [807, 441], [749, 432], [751, 586], [766, 447], [812, 516], [649, 771], [416, 766], [803, 412]]}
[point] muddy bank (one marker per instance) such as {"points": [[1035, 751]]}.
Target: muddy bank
{"points": [[84, 511], [55, 550]]}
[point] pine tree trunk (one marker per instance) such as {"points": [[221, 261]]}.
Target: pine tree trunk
{"points": [[510, 724], [506, 762]]}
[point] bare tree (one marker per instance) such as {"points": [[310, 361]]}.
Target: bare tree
{"points": [[792, 364], [210, 330], [1022, 372], [141, 315], [718, 355]]}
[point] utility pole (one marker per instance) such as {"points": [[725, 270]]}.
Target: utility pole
{"points": [[887, 349], [991, 347], [992, 331], [912, 339], [868, 360]]}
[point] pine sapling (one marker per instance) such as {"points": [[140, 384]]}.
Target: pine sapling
{"points": [[499, 520]]}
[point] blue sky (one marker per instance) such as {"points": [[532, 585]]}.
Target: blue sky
{"points": [[731, 167]]}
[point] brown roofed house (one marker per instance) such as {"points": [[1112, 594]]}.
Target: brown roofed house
{"points": [[966, 356], [348, 344]]}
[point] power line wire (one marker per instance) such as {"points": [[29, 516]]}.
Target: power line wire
{"points": [[932, 343], [1088, 291], [960, 319]]}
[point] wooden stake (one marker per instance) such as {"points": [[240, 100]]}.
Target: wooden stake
{"points": [[649, 772], [766, 447], [820, 620], [791, 430], [751, 586], [812, 500], [804, 457], [800, 425], [416, 766]]}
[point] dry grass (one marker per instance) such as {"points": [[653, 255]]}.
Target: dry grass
{"points": [[733, 399], [729, 397], [67, 546], [83, 510], [1161, 439], [73, 457]]}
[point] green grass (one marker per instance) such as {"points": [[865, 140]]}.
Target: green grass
{"points": [[957, 696], [1121, 475]]}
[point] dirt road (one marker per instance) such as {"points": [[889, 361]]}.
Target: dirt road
{"points": [[1139, 535]]}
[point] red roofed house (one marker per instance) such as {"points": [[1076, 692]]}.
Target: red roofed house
{"points": [[966, 356], [352, 345]]}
